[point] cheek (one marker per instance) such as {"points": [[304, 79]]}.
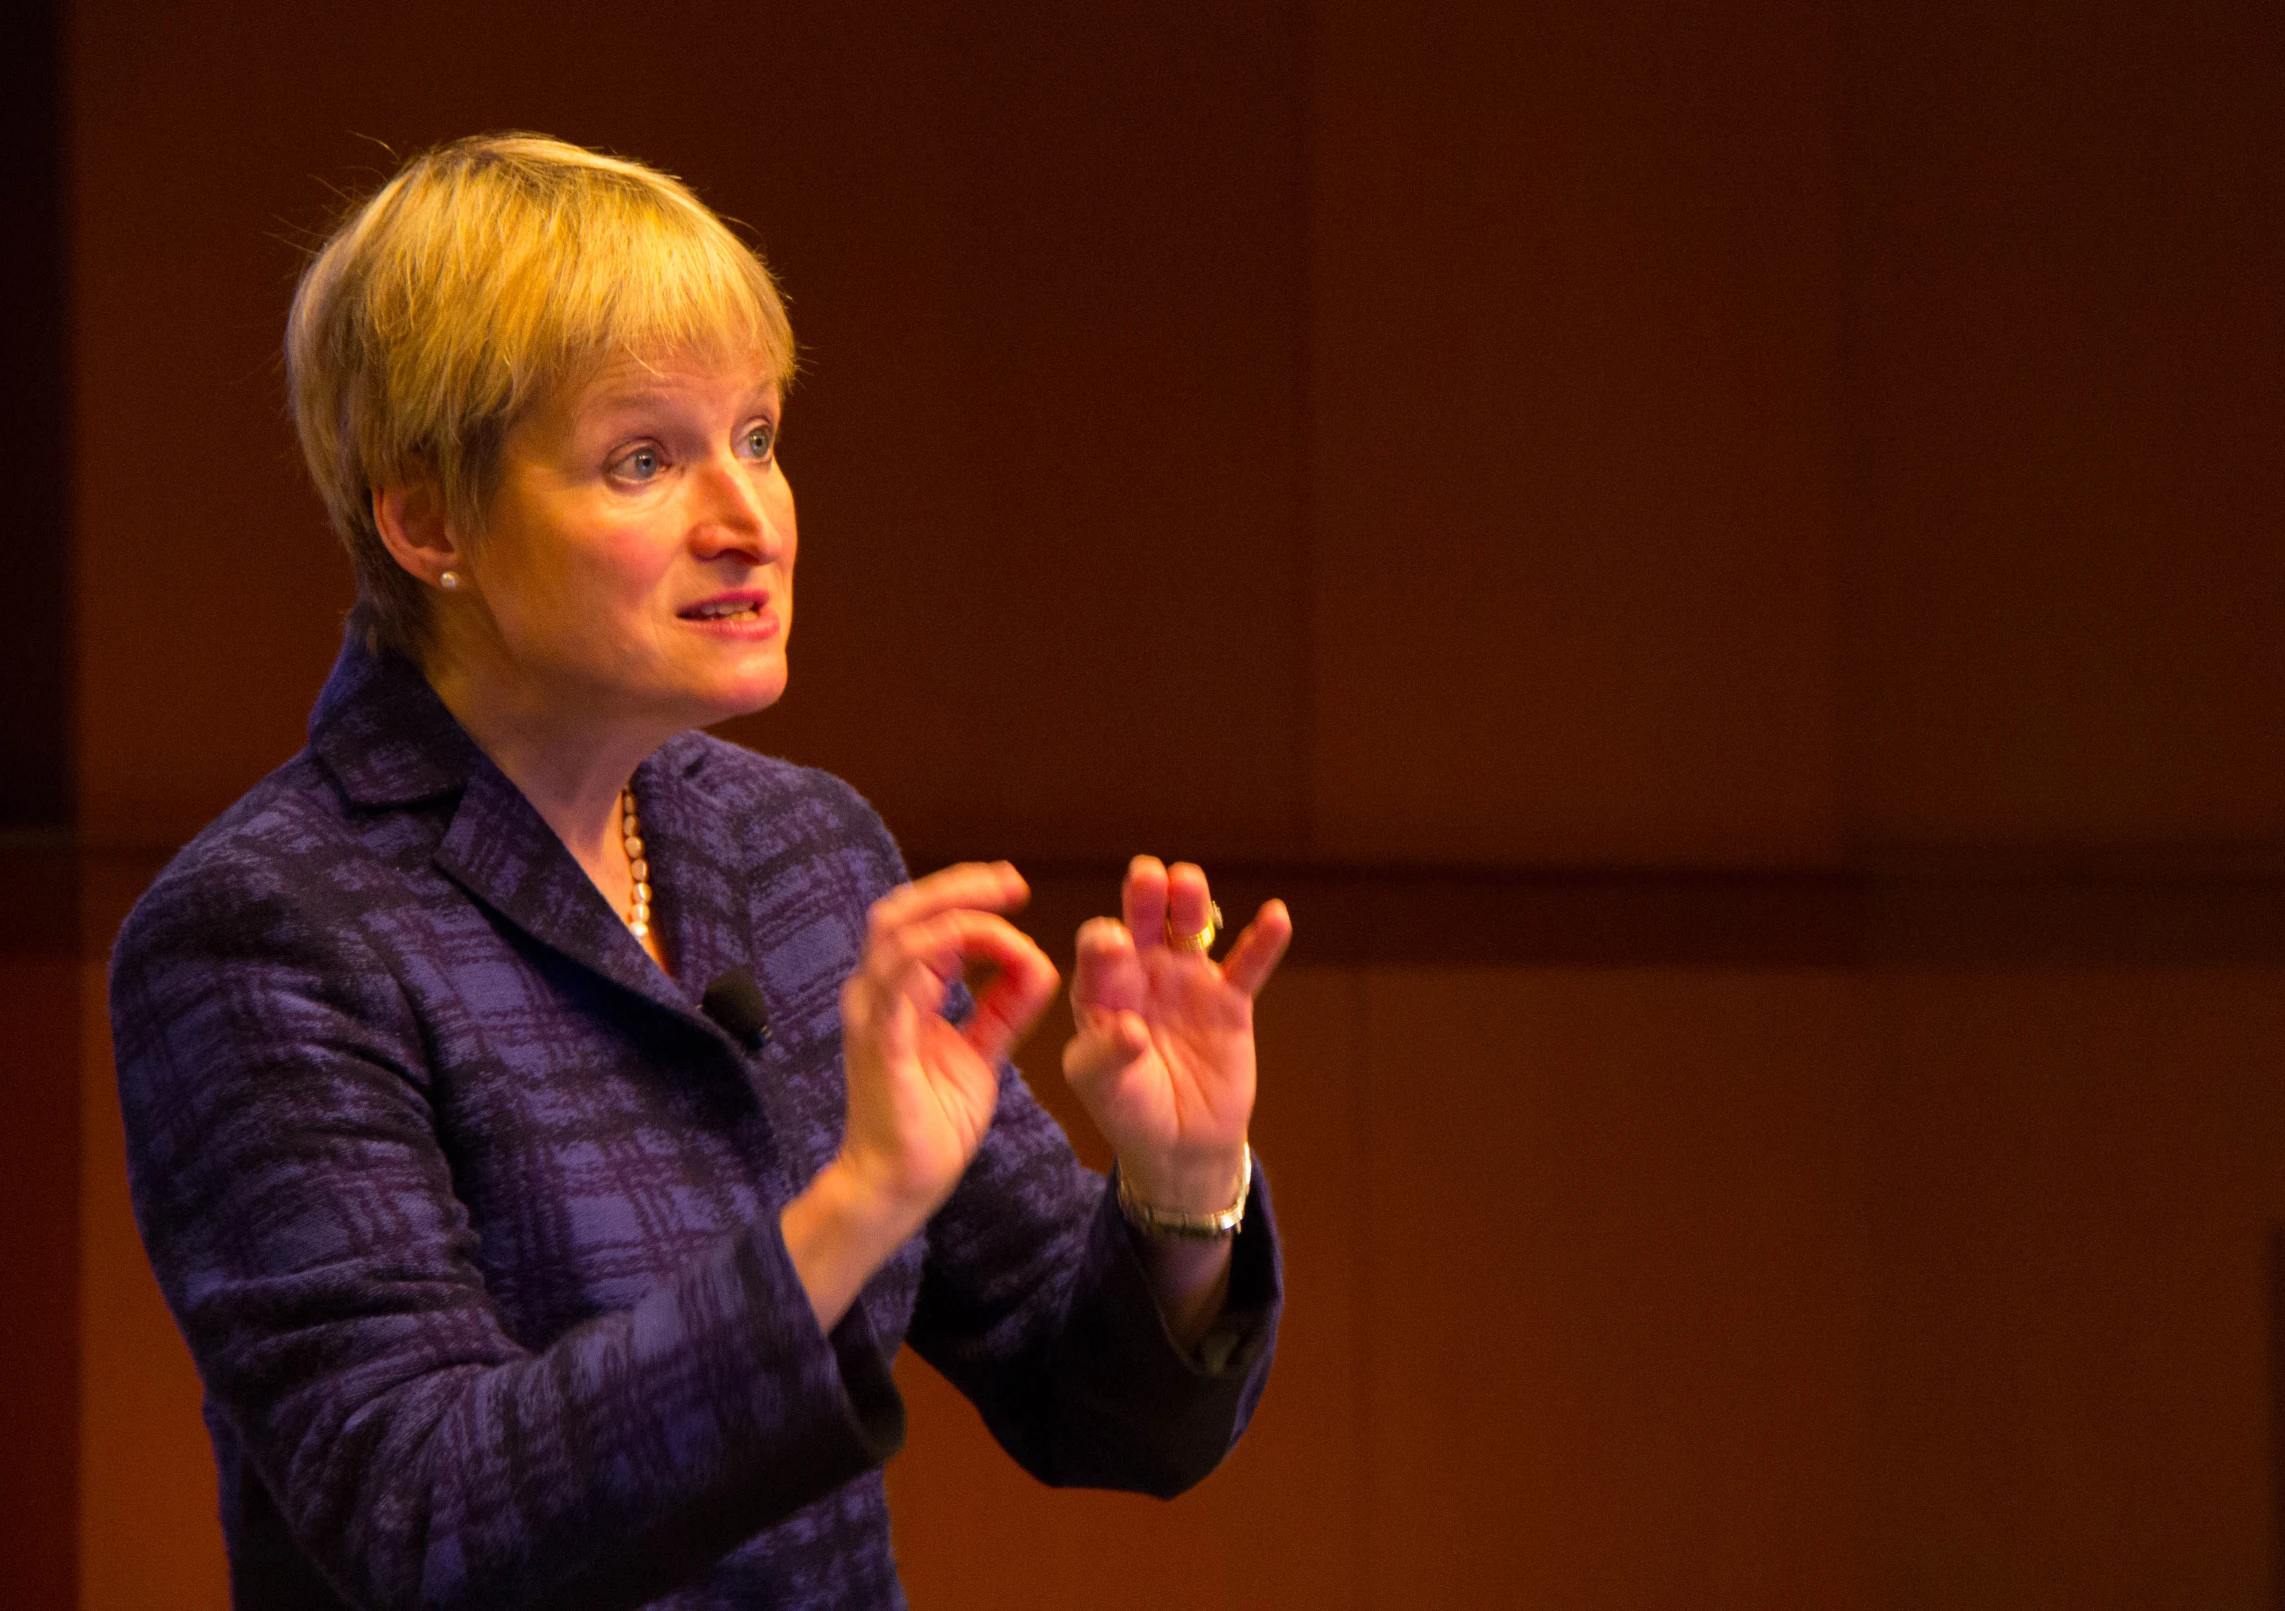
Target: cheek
{"points": [[632, 569], [779, 494], [616, 567], [583, 596]]}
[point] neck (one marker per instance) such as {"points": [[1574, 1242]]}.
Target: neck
{"points": [[569, 764]]}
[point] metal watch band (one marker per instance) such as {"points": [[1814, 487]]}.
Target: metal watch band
{"points": [[1184, 1225]]}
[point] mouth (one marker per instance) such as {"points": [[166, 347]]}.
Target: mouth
{"points": [[742, 608]]}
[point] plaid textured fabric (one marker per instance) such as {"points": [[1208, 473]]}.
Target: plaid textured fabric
{"points": [[469, 1213]]}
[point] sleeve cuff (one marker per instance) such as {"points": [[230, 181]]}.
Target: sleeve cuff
{"points": [[802, 1416], [1136, 1411], [1248, 1320]]}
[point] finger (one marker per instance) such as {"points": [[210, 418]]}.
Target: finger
{"points": [[1255, 955], [1143, 899], [930, 944], [913, 953], [1012, 1003], [903, 985], [917, 962], [1106, 1042], [1104, 966], [884, 1023], [1104, 937], [884, 1001], [984, 886], [1187, 901]]}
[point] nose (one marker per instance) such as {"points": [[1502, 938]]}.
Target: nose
{"points": [[733, 512]]}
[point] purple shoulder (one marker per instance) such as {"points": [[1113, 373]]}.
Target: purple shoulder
{"points": [[780, 802], [271, 845]]}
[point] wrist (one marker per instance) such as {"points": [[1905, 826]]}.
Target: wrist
{"points": [[1204, 1199], [1193, 1182], [865, 1208], [837, 1232]]}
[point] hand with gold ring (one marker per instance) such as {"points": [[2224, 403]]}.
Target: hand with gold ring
{"points": [[1164, 1054], [1201, 942]]}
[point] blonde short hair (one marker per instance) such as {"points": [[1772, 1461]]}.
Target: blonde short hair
{"points": [[486, 274]]}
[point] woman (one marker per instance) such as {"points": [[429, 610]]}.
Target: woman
{"points": [[547, 1121]]}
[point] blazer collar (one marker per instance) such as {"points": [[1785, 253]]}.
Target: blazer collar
{"points": [[390, 741], [382, 732]]}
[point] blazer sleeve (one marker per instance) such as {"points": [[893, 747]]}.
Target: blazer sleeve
{"points": [[1035, 1304], [301, 1217]]}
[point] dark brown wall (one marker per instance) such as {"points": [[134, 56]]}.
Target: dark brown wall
{"points": [[36, 771], [2070, 1200], [39, 1022], [2062, 410], [40, 1059], [1792, 441], [1573, 324]]}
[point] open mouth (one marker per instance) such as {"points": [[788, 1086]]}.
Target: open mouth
{"points": [[738, 608]]}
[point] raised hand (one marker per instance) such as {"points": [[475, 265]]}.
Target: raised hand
{"points": [[922, 1092], [1164, 1054]]}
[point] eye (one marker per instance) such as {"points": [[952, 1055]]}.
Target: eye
{"points": [[759, 441], [643, 463]]}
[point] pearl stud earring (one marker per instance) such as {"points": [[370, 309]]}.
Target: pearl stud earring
{"points": [[449, 581]]}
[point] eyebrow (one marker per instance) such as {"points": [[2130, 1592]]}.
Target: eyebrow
{"points": [[644, 396]]}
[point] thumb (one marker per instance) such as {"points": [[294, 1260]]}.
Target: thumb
{"points": [[1105, 1043]]}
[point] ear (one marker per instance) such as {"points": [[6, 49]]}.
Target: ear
{"points": [[414, 529]]}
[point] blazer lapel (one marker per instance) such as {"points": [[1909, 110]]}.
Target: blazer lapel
{"points": [[694, 870], [503, 853], [389, 741]]}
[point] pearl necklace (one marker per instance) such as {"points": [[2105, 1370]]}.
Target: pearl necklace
{"points": [[630, 831]]}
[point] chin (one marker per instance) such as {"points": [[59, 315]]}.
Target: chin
{"points": [[702, 692], [743, 696]]}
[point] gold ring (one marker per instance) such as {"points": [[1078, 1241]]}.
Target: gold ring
{"points": [[1203, 940]]}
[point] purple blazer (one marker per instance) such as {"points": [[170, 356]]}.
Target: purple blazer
{"points": [[469, 1213]]}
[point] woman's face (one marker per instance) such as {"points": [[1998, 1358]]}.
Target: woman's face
{"points": [[637, 557]]}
